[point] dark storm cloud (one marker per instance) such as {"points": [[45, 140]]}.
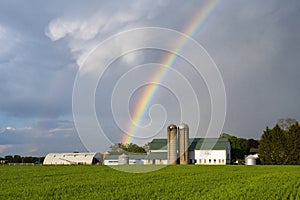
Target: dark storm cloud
{"points": [[36, 74], [256, 47]]}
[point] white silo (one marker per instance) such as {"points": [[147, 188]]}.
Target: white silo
{"points": [[123, 159], [172, 144], [183, 143]]}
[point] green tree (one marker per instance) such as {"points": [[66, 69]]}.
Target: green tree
{"points": [[271, 147], [17, 159], [252, 143], [293, 145], [265, 148], [132, 148], [285, 123], [116, 148], [239, 146], [278, 142], [9, 158]]}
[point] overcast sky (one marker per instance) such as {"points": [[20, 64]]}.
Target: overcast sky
{"points": [[255, 45]]}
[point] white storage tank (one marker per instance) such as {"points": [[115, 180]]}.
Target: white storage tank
{"points": [[123, 159], [251, 160]]}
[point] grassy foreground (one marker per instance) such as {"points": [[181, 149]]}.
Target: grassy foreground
{"points": [[172, 182]]}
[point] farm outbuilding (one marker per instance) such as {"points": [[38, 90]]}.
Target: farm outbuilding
{"points": [[210, 151], [121, 159], [72, 159], [251, 159], [158, 152]]}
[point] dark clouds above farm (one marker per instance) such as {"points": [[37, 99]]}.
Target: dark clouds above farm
{"points": [[255, 44]]}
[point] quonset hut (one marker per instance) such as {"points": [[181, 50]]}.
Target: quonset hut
{"points": [[72, 159]]}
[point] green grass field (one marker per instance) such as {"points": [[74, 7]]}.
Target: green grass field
{"points": [[172, 182]]}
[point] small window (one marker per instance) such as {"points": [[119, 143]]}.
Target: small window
{"points": [[209, 160], [219, 160], [222, 160], [200, 160], [204, 160], [215, 161]]}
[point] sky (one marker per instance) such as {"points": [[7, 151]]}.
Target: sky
{"points": [[45, 46]]}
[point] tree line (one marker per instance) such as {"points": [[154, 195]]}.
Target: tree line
{"points": [[280, 146], [241, 146], [277, 146], [122, 148], [21, 159]]}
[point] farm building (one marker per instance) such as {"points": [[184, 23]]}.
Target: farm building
{"points": [[178, 148], [211, 151], [72, 159], [251, 159], [118, 159], [158, 152], [201, 151]]}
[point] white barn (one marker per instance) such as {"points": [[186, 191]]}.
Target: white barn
{"points": [[210, 151], [205, 151], [72, 159]]}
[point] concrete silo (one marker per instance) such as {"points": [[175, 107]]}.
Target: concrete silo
{"points": [[172, 144], [183, 143]]}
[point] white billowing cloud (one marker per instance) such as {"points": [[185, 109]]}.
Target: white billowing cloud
{"points": [[85, 33], [10, 128], [55, 130], [78, 29]]}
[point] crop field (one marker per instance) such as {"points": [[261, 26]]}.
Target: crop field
{"points": [[172, 182]]}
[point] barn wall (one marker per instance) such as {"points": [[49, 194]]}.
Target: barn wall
{"points": [[210, 157]]}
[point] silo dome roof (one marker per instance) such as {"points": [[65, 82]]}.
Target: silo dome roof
{"points": [[171, 127], [183, 126]]}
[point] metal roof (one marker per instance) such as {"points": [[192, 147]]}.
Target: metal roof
{"points": [[208, 144], [194, 144], [157, 156], [71, 158], [158, 144]]}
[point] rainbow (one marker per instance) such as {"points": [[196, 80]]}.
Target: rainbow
{"points": [[142, 106]]}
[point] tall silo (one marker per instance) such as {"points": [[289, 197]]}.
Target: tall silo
{"points": [[172, 144], [183, 143]]}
